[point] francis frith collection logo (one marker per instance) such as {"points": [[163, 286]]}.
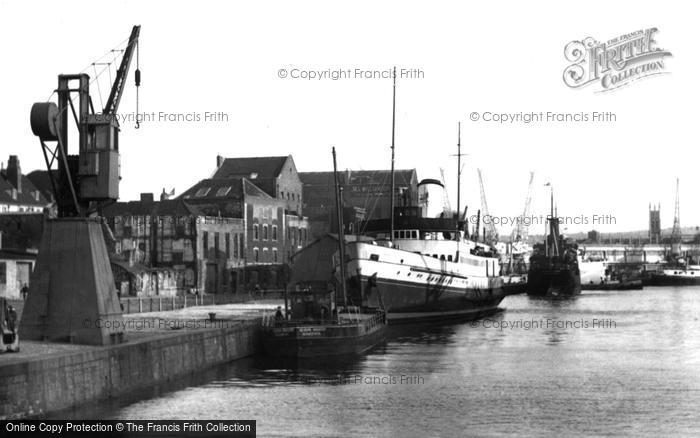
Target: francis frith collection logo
{"points": [[615, 63]]}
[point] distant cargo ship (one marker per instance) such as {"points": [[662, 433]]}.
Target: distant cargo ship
{"points": [[554, 269]]}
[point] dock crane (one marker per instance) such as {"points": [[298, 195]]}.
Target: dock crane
{"points": [[490, 235], [90, 179], [72, 280], [520, 232]]}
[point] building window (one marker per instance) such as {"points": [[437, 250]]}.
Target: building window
{"points": [[266, 255], [256, 234], [3, 273], [235, 246], [256, 254], [265, 232], [228, 245], [216, 244], [167, 250], [282, 195], [241, 249], [274, 232], [188, 254], [205, 243], [223, 191], [202, 192], [274, 255]]}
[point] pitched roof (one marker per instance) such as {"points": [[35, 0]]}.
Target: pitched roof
{"points": [[170, 207], [26, 197], [401, 177], [264, 167], [225, 188], [41, 180]]}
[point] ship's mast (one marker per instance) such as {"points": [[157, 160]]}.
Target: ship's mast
{"points": [[341, 234], [459, 180], [459, 164], [393, 137]]}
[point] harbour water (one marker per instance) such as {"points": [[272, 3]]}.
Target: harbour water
{"points": [[603, 363]]}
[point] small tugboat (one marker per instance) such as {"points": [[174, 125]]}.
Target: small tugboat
{"points": [[682, 275], [554, 270], [318, 326], [600, 276]]}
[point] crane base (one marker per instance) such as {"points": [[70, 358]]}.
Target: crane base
{"points": [[73, 297]]}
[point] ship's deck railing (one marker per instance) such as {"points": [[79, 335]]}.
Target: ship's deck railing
{"points": [[348, 318]]}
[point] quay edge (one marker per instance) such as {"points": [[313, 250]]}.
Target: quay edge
{"points": [[40, 385]]}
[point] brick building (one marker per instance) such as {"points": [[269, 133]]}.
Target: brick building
{"points": [[264, 222], [366, 195], [203, 251], [266, 193], [276, 176]]}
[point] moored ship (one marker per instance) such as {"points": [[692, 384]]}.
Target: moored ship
{"points": [[675, 276], [319, 326], [554, 269], [418, 267], [428, 269], [314, 330]]}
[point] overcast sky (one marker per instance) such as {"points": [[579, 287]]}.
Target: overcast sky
{"points": [[501, 57]]}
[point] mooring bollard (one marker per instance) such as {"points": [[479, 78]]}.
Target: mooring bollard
{"points": [[140, 305], [160, 304]]}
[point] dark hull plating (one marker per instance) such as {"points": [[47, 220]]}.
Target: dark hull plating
{"points": [[320, 340], [406, 302], [670, 280], [553, 282]]}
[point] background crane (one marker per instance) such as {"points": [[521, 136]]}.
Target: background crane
{"points": [[446, 207], [520, 232], [676, 237], [491, 235]]}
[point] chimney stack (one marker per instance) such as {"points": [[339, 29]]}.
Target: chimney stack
{"points": [[13, 173], [147, 198], [219, 161]]}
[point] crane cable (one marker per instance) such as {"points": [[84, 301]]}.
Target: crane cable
{"points": [[137, 80]]}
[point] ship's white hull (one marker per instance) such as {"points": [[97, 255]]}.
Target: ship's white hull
{"points": [[412, 286]]}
